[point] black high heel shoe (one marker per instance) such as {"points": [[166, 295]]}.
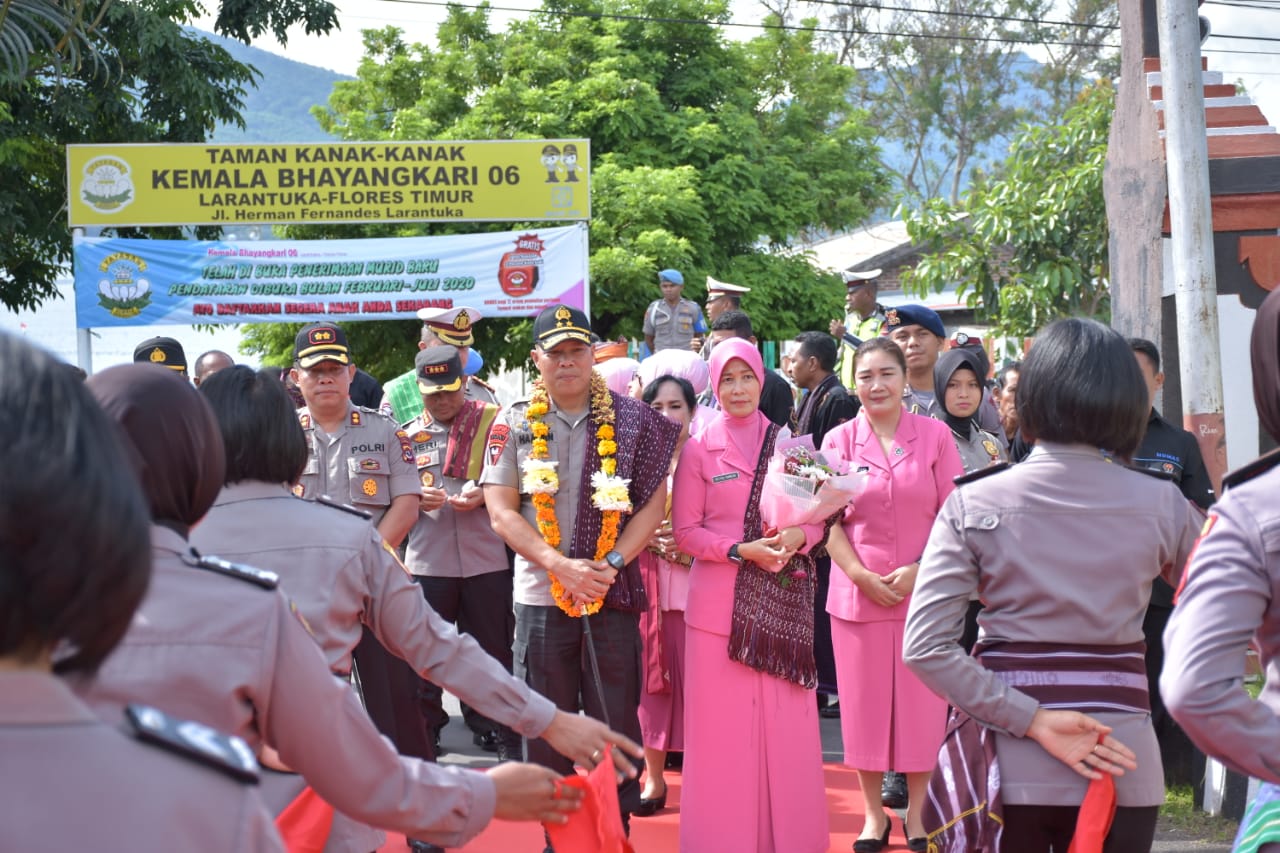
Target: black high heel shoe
{"points": [[874, 845], [650, 807], [919, 844]]}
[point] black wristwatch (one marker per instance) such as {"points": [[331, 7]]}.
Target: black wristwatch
{"points": [[733, 553], [616, 561]]}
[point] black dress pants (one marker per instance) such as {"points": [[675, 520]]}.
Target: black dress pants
{"points": [[1048, 829]]}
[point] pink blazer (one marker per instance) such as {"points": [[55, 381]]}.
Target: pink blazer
{"points": [[708, 505], [889, 522]]}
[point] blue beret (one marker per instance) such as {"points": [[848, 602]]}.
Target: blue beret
{"points": [[914, 315], [672, 276]]}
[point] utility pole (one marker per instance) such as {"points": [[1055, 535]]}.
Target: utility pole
{"points": [[1191, 228]]}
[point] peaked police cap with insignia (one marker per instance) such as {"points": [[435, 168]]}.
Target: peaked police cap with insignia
{"points": [[559, 323], [439, 369], [165, 352], [451, 325], [320, 342]]}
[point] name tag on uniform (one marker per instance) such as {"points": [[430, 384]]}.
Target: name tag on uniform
{"points": [[721, 478], [431, 457]]}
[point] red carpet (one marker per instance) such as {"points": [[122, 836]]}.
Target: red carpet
{"points": [[661, 833]]}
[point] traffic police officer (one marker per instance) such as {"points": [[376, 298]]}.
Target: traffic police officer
{"points": [[453, 553]]}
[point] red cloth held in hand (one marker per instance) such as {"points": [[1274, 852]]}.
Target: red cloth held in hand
{"points": [[305, 823], [1096, 813], [597, 826]]}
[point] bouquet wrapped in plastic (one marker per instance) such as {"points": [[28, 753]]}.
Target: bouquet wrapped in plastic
{"points": [[803, 486]]}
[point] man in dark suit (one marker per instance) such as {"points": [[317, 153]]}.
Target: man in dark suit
{"points": [[827, 403]]}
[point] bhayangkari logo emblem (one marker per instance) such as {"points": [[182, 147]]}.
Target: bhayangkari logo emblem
{"points": [[123, 292], [106, 186]]}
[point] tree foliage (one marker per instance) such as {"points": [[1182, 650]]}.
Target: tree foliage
{"points": [[709, 156], [1029, 246], [948, 81], [144, 78]]}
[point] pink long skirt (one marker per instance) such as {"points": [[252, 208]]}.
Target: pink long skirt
{"points": [[752, 778], [888, 719], [662, 714]]}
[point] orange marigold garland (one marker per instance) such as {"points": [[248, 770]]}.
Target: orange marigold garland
{"points": [[609, 492]]}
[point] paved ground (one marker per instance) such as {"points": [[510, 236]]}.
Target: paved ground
{"points": [[456, 738]]}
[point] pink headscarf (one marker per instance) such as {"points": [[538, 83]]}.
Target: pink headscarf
{"points": [[617, 372], [683, 363], [746, 433], [731, 349]]}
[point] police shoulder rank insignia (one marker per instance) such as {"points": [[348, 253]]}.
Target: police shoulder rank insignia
{"points": [[369, 486], [974, 476], [305, 420], [355, 418], [406, 447], [1261, 465], [298, 490], [239, 571], [328, 501], [225, 753], [498, 438]]}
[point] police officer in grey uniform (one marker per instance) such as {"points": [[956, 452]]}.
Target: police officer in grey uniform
{"points": [[341, 575], [1064, 548], [219, 643], [1229, 597], [453, 553], [359, 457], [73, 572]]}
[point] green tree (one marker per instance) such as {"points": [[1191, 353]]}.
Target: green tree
{"points": [[943, 77], [140, 77], [707, 155], [1030, 245]]}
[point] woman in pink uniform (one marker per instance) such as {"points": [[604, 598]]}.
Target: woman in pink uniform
{"points": [[889, 719], [753, 757]]}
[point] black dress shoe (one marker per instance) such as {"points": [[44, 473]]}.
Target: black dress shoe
{"points": [[488, 741], [830, 712], [893, 790], [918, 845], [874, 845], [650, 807]]}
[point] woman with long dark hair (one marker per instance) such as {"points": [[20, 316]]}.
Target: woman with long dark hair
{"points": [[1063, 549]]}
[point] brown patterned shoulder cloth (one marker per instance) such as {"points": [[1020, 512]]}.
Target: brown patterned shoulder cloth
{"points": [[772, 629]]}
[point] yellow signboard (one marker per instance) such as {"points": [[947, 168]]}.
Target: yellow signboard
{"points": [[440, 181]]}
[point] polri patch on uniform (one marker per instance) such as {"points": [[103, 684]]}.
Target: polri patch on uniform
{"points": [[406, 448], [974, 476], [225, 753], [498, 438], [428, 479], [354, 510], [369, 486], [724, 478], [239, 571]]}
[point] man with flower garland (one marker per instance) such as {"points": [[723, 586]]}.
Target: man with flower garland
{"points": [[575, 481]]}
